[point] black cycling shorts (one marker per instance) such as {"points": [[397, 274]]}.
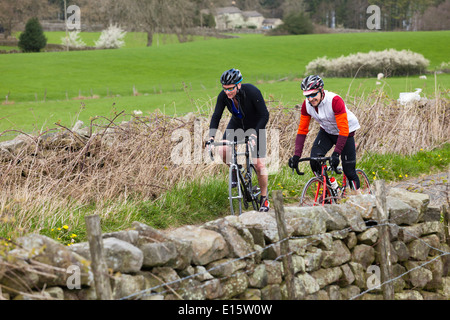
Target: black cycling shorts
{"points": [[235, 130], [324, 142]]}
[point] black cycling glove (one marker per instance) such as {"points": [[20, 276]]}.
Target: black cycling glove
{"points": [[334, 159], [293, 162]]}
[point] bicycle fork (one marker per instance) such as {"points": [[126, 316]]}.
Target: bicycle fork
{"points": [[234, 169], [327, 191]]}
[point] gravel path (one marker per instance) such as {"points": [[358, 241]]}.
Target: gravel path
{"points": [[437, 186]]}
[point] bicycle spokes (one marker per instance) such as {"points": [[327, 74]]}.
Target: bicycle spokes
{"points": [[253, 188], [312, 192], [235, 191]]}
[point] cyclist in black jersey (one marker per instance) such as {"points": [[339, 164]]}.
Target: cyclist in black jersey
{"points": [[249, 118]]}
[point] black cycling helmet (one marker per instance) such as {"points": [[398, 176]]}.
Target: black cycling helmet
{"points": [[232, 76], [311, 84]]}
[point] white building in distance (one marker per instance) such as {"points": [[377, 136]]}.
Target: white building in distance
{"points": [[227, 18]]}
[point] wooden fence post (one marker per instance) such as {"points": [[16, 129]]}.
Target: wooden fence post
{"points": [[284, 245], [384, 246], [446, 215], [445, 211], [99, 268]]}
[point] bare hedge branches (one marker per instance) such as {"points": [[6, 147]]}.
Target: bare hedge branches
{"points": [[65, 169], [391, 62]]}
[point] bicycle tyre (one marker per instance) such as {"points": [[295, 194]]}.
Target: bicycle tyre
{"points": [[364, 182], [236, 194], [311, 193], [254, 189], [245, 192]]}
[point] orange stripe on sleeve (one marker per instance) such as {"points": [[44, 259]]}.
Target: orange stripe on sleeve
{"points": [[342, 124], [303, 127]]}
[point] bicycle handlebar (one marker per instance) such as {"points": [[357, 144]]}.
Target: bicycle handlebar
{"points": [[223, 143], [321, 160]]}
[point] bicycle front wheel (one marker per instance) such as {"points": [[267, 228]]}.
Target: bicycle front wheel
{"points": [[312, 193], [235, 191]]}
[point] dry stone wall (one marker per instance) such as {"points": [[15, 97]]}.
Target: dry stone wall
{"points": [[334, 252]]}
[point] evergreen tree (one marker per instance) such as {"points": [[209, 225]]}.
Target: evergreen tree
{"points": [[33, 38], [296, 23]]}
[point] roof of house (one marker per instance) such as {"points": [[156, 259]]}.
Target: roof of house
{"points": [[227, 10], [251, 14]]}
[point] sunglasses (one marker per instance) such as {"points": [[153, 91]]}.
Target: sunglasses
{"points": [[230, 89], [312, 95]]}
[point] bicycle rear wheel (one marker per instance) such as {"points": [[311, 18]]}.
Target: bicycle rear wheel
{"points": [[254, 189], [364, 182], [236, 194]]}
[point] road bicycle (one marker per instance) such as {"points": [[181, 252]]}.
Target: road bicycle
{"points": [[243, 186], [319, 190]]}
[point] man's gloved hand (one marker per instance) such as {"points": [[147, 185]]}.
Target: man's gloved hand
{"points": [[209, 142], [334, 160], [293, 161]]}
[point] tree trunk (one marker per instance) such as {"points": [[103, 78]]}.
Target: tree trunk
{"points": [[149, 38]]}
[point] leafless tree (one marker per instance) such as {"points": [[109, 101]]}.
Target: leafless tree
{"points": [[104, 12], [182, 14], [150, 16], [163, 16], [434, 18], [14, 13]]}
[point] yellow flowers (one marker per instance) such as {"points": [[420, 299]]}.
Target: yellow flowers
{"points": [[7, 243], [375, 175], [64, 235]]}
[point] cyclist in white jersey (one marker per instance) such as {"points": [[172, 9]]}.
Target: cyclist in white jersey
{"points": [[337, 128]]}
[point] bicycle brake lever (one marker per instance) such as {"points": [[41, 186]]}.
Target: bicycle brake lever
{"points": [[208, 144]]}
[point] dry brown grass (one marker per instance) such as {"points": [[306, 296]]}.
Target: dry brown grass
{"points": [[387, 127], [57, 172]]}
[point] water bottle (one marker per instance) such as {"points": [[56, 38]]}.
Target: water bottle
{"points": [[334, 184]]}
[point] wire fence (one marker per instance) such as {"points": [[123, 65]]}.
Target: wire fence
{"points": [[316, 238], [182, 288]]}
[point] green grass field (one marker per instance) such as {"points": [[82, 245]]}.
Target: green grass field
{"points": [[178, 78], [132, 39], [62, 87]]}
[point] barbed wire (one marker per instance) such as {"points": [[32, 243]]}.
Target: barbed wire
{"points": [[398, 277], [316, 238]]}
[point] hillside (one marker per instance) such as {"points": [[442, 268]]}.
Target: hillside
{"points": [[44, 88]]}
